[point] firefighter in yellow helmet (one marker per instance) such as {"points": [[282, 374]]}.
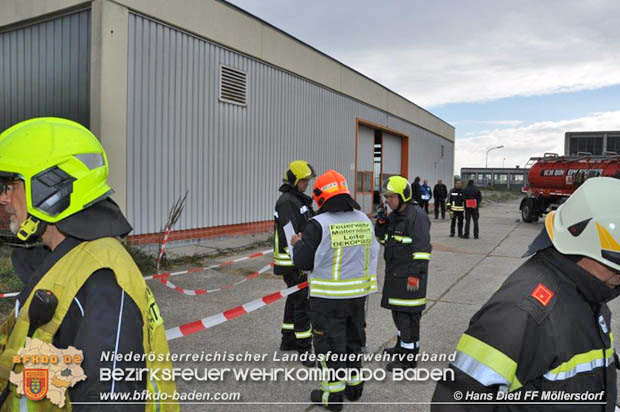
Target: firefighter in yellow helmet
{"points": [[87, 292], [294, 206], [407, 240], [548, 326]]}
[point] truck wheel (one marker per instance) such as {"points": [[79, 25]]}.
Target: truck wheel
{"points": [[527, 211]]}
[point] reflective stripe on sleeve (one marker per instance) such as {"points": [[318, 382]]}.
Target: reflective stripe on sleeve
{"points": [[407, 302], [282, 262], [402, 239], [583, 362], [421, 256], [288, 326], [486, 364]]}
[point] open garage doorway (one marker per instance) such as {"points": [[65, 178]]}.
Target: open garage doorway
{"points": [[380, 152]]}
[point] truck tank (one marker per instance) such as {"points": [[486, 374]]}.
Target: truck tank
{"points": [[552, 179]]}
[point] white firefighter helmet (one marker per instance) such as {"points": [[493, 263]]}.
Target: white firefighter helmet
{"points": [[588, 223]]}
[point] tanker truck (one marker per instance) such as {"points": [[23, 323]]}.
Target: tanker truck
{"points": [[553, 178]]}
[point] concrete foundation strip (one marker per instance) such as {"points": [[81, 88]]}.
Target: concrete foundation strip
{"points": [[200, 269], [195, 292], [210, 321]]}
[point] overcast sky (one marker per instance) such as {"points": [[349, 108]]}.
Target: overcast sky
{"points": [[517, 73]]}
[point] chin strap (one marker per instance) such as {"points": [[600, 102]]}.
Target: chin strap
{"points": [[31, 228]]}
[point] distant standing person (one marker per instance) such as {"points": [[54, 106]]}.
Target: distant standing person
{"points": [[440, 192], [472, 197], [456, 206], [416, 188], [427, 194]]}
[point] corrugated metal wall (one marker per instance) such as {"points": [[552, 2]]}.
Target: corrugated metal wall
{"points": [[392, 148], [45, 70], [232, 158]]}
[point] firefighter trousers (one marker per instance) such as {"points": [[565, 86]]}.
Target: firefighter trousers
{"points": [[457, 216], [469, 215], [296, 331], [440, 205], [337, 328], [408, 326]]}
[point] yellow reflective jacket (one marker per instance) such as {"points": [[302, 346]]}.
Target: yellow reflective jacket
{"points": [[81, 262]]}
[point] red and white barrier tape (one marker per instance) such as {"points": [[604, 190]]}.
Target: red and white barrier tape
{"points": [[162, 248], [192, 270], [200, 269], [210, 321], [195, 292]]}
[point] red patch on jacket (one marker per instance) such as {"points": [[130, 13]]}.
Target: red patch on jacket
{"points": [[413, 283], [542, 294]]}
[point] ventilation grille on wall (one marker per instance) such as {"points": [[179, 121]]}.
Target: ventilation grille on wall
{"points": [[233, 86]]}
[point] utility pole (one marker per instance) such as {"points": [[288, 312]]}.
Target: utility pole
{"points": [[486, 163]]}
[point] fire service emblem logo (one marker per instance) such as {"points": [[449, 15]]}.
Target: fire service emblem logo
{"points": [[36, 383]]}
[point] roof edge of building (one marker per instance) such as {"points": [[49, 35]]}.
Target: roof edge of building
{"points": [[212, 20]]}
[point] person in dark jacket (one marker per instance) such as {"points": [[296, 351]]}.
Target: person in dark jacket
{"points": [[416, 188], [294, 207], [427, 195], [472, 197], [548, 327], [456, 207], [440, 193], [54, 189], [406, 237]]}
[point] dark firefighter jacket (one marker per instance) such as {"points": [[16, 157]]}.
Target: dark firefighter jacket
{"points": [[295, 207], [440, 191], [472, 192], [456, 202], [92, 320], [407, 240], [416, 189], [547, 329]]}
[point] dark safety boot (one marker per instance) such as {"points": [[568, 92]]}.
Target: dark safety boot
{"points": [[353, 393], [334, 400], [401, 361], [288, 346]]}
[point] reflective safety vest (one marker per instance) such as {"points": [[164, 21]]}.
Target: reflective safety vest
{"points": [[65, 279], [345, 262]]}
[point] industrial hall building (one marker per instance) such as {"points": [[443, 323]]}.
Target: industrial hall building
{"points": [[201, 96]]}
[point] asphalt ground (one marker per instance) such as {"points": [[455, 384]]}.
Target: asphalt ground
{"points": [[463, 275]]}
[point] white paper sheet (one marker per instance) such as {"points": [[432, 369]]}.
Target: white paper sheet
{"points": [[289, 232]]}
